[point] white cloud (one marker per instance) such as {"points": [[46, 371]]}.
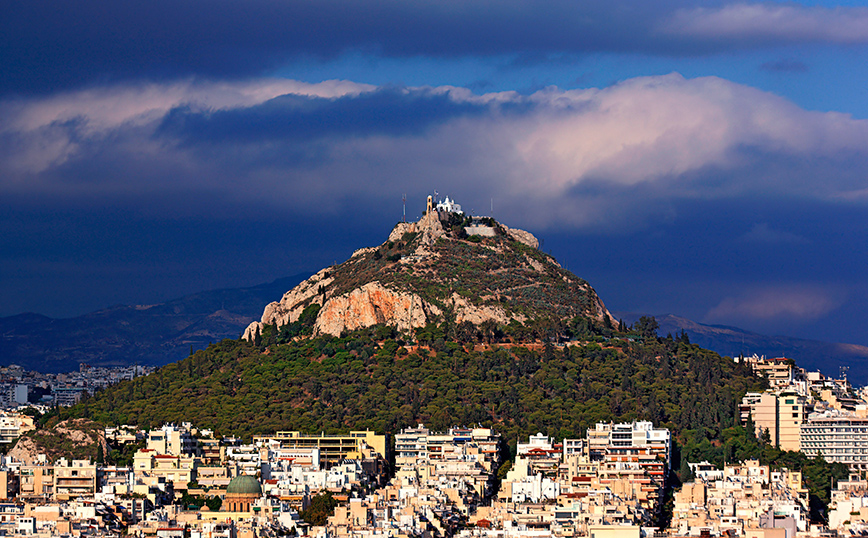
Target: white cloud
{"points": [[772, 22], [109, 107], [580, 157], [95, 112]]}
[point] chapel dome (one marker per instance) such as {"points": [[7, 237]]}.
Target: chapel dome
{"points": [[244, 484]]}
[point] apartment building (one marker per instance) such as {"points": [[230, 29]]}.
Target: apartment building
{"points": [[779, 371], [608, 441], [414, 445], [171, 439], [77, 478], [780, 414], [633, 453], [179, 470], [839, 439], [12, 425], [332, 448]]}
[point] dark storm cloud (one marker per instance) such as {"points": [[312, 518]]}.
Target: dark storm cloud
{"points": [[698, 263], [388, 111], [46, 46]]}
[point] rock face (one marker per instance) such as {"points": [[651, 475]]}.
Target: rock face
{"points": [[601, 313], [290, 307], [467, 311], [523, 237], [373, 304]]}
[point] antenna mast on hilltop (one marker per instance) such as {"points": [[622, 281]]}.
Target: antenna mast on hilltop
{"points": [[404, 200]]}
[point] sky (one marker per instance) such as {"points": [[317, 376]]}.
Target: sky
{"points": [[705, 159]]}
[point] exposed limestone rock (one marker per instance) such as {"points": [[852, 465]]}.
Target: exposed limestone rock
{"points": [[431, 228], [72, 439], [290, 307], [599, 308], [522, 236], [466, 311], [250, 331], [537, 266], [400, 229], [373, 304], [363, 250]]}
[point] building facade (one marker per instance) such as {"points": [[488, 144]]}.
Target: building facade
{"points": [[842, 439]]}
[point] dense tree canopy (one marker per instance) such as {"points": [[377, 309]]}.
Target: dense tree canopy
{"points": [[369, 379]]}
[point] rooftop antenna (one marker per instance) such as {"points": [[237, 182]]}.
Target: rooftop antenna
{"points": [[844, 372], [492, 207], [404, 200]]}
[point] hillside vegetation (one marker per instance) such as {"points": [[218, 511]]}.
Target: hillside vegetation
{"points": [[367, 379]]}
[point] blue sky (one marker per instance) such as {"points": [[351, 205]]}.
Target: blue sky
{"points": [[706, 159]]}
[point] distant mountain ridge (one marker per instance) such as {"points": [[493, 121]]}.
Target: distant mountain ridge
{"points": [[135, 334], [826, 357]]}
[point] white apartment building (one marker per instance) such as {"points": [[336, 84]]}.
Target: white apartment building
{"points": [[839, 439], [631, 438], [171, 439]]}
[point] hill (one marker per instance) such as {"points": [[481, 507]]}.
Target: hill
{"points": [[124, 335], [826, 357], [449, 321], [453, 322]]}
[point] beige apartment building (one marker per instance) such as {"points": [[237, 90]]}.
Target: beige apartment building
{"points": [[781, 415], [36, 481], [332, 448], [779, 371], [176, 469], [62, 482], [77, 479]]}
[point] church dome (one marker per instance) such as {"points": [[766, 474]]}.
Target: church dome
{"points": [[244, 484]]}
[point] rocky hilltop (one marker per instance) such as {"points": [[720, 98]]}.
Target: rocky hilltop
{"points": [[445, 266]]}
